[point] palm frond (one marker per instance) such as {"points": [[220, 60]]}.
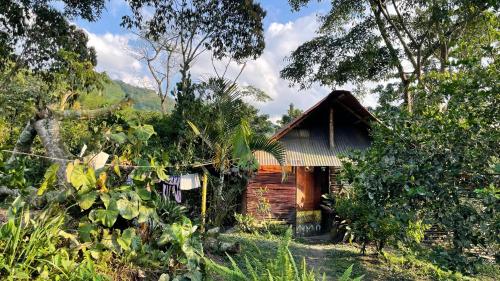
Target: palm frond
{"points": [[200, 134], [273, 147], [240, 145]]}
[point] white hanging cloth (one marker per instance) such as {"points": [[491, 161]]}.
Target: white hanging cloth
{"points": [[190, 181]]}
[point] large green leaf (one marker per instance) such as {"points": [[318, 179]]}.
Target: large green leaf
{"points": [[241, 149], [125, 239], [177, 233], [106, 216], [81, 179], [145, 213], [128, 209], [143, 132], [109, 240], [273, 147], [105, 198], [85, 201], [119, 138], [86, 231], [143, 193], [49, 178]]}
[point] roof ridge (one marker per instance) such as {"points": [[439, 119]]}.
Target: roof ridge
{"points": [[292, 124]]}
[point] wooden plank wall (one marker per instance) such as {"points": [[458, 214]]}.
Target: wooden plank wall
{"points": [[280, 195]]}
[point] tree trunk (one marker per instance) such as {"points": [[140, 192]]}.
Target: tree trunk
{"points": [[407, 96], [24, 141], [49, 131], [163, 102], [443, 57]]}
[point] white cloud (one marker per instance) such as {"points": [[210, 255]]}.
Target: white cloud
{"points": [[263, 73], [115, 58]]}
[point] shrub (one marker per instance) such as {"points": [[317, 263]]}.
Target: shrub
{"points": [[246, 223], [277, 228], [439, 164]]}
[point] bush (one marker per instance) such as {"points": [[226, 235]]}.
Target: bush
{"points": [[365, 225], [246, 223], [277, 228], [437, 166]]}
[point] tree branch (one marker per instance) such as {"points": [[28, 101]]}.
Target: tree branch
{"points": [[388, 43], [407, 50], [93, 113], [404, 79], [403, 25], [24, 141]]}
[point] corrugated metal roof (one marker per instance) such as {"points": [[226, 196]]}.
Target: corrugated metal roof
{"points": [[309, 149]]}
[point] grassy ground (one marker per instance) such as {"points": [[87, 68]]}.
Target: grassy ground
{"points": [[333, 259]]}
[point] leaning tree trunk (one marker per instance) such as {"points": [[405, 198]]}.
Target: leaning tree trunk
{"points": [[24, 141], [49, 131], [48, 128]]}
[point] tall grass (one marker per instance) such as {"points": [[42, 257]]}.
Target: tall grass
{"points": [[31, 247]]}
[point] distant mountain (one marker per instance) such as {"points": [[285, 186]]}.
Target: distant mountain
{"points": [[115, 91]]}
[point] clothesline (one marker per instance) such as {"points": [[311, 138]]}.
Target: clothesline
{"points": [[192, 165]]}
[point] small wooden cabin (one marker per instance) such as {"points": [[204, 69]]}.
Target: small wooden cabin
{"points": [[314, 141]]}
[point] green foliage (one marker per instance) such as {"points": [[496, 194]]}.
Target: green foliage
{"points": [[31, 246], [249, 224], [48, 179], [229, 29], [437, 166], [291, 114], [120, 219], [169, 211], [420, 266], [246, 223], [227, 141], [361, 41], [276, 228], [114, 91], [12, 176], [47, 32], [109, 202], [364, 225], [280, 267], [185, 245]]}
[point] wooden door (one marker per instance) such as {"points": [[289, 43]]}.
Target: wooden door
{"points": [[308, 189]]}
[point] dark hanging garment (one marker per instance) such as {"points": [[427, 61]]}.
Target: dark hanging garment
{"points": [[172, 187]]}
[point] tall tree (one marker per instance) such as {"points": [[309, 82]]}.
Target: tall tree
{"points": [[32, 32], [376, 40], [439, 165], [227, 28]]}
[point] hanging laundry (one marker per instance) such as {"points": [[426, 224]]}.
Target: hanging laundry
{"points": [[190, 181], [172, 187], [97, 161]]}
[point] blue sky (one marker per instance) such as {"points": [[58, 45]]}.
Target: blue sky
{"points": [[284, 31]]}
